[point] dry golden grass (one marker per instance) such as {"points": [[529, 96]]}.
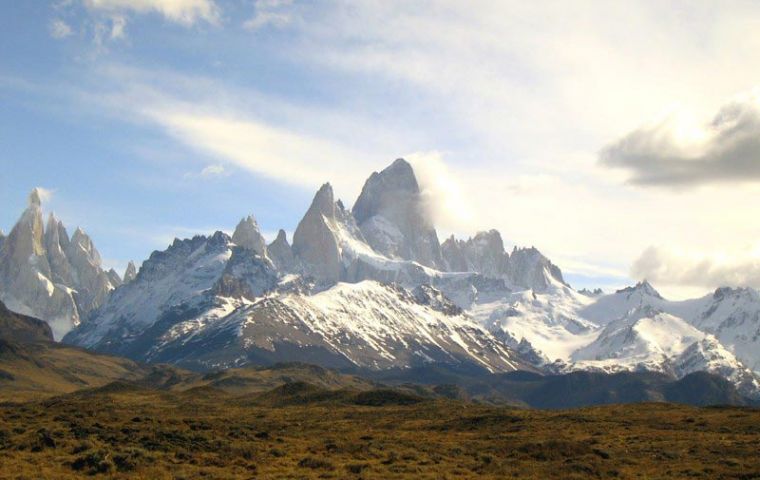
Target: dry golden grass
{"points": [[125, 432]]}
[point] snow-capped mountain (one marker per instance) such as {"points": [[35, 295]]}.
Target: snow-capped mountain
{"points": [[47, 275], [634, 328], [342, 293], [371, 287], [649, 339], [208, 303]]}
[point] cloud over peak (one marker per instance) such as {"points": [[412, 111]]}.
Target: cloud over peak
{"points": [[680, 151]]}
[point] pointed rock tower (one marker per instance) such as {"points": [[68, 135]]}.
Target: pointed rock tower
{"points": [[281, 253], [130, 273], [248, 235], [45, 275], [392, 217], [314, 241]]}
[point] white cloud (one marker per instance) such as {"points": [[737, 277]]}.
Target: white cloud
{"points": [[45, 194], [255, 146], [679, 150], [273, 13], [442, 191], [185, 12], [118, 26], [213, 171], [297, 145], [676, 267], [59, 29]]}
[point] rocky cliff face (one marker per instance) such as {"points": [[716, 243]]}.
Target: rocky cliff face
{"points": [[315, 240], [484, 253], [281, 253], [248, 235], [46, 275], [391, 215]]}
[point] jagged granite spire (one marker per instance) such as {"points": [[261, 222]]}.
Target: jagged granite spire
{"points": [[281, 253], [130, 273], [248, 235], [529, 268], [314, 241], [56, 243], [26, 280], [392, 216], [484, 253], [46, 275], [34, 198]]}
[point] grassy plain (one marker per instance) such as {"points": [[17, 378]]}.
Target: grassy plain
{"points": [[300, 431]]}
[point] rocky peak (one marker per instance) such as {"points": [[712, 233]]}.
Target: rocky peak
{"points": [[246, 276], [82, 247], [644, 288], [26, 237], [130, 273], [324, 202], [280, 252], [597, 292], [248, 235], [722, 293], [529, 268], [392, 216], [45, 275], [56, 244], [282, 237], [489, 240], [164, 263], [315, 242], [484, 253], [34, 198]]}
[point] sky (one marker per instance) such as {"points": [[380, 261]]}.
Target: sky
{"points": [[622, 139]]}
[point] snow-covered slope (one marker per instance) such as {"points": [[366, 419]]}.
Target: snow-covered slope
{"points": [[366, 324], [634, 328], [546, 323], [648, 339], [732, 315], [187, 269]]}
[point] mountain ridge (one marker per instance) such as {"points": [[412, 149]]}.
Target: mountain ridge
{"points": [[227, 301]]}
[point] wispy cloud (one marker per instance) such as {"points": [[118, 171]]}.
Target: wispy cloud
{"points": [[274, 13], [59, 29], [263, 135], [185, 12], [214, 171]]}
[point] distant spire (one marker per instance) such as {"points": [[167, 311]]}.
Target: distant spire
{"points": [[34, 198]]}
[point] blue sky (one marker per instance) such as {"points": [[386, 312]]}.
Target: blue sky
{"points": [[588, 130]]}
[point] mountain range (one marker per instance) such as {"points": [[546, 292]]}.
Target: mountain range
{"points": [[370, 288]]}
